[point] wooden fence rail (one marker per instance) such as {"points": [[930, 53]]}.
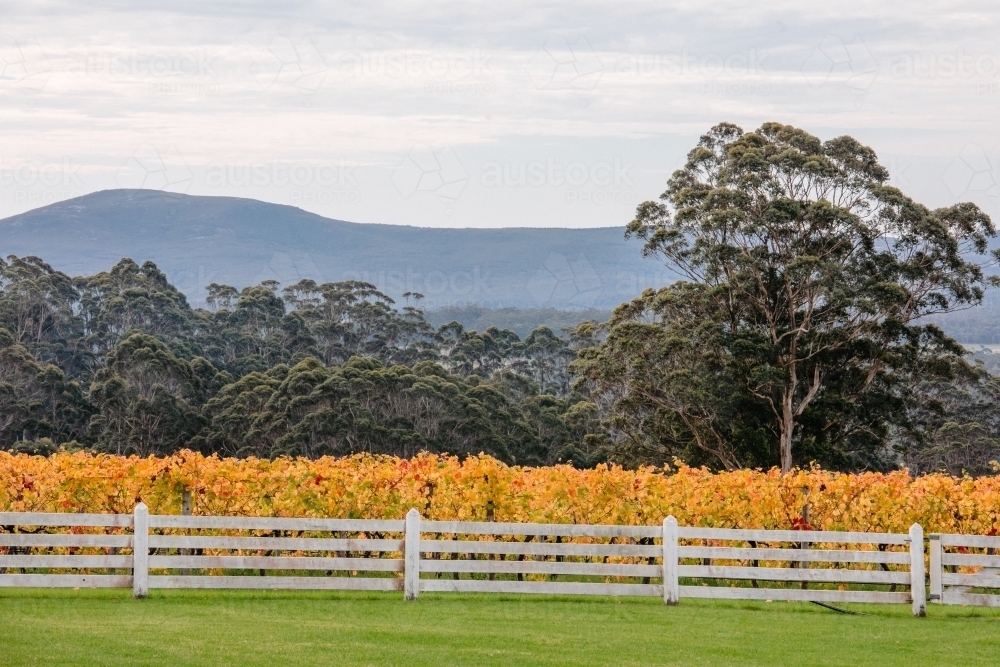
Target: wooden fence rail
{"points": [[345, 546], [889, 569], [109, 544], [415, 556], [965, 569]]}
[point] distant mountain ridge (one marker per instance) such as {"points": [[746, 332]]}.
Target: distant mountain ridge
{"points": [[200, 240]]}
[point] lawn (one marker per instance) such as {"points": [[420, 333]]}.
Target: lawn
{"points": [[272, 628]]}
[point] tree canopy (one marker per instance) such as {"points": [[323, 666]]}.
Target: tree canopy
{"points": [[119, 362], [799, 329]]}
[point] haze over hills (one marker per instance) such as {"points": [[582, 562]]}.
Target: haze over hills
{"points": [[239, 242], [200, 240]]}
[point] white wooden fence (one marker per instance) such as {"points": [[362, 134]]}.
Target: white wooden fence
{"points": [[963, 563], [535, 554], [872, 560], [145, 551], [378, 554], [168, 545], [104, 545]]}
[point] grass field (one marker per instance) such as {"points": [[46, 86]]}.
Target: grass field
{"points": [[272, 628]]}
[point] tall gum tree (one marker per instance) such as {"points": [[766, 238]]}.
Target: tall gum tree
{"points": [[805, 249]]}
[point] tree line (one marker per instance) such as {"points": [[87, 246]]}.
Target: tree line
{"points": [[119, 362], [802, 332]]}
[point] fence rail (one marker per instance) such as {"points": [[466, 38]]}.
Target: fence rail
{"points": [[864, 567], [144, 551], [960, 575], [529, 557], [110, 544]]}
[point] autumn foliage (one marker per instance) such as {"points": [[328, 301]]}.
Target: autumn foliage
{"points": [[481, 487]]}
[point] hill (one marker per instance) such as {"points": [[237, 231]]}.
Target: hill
{"points": [[228, 240]]}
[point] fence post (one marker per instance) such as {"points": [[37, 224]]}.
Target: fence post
{"points": [[937, 551], [140, 551], [918, 592], [411, 556], [671, 587]]}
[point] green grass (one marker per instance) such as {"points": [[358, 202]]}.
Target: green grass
{"points": [[272, 628]]}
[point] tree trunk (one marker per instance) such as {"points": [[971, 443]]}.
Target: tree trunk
{"points": [[787, 428]]}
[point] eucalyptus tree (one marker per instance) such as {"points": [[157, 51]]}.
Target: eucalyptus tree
{"points": [[233, 416], [811, 276], [38, 308], [37, 400], [364, 406], [353, 318], [129, 299], [146, 397]]}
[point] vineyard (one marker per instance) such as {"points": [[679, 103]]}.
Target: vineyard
{"points": [[482, 488]]}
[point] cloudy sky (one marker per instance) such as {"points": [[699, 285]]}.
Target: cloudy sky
{"points": [[479, 114]]}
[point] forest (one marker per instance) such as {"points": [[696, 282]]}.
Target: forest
{"points": [[119, 362], [802, 332]]}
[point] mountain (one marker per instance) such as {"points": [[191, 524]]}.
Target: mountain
{"points": [[239, 242]]}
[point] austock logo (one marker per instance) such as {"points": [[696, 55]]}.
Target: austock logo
{"points": [[166, 72], [152, 168], [599, 182], [973, 171], [415, 64], [435, 171], [562, 64], [135, 64], [42, 183], [945, 65], [563, 282], [439, 288], [850, 65], [288, 268], [686, 64], [23, 64], [306, 182], [290, 64]]}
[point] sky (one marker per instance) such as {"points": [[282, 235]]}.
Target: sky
{"points": [[446, 114]]}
